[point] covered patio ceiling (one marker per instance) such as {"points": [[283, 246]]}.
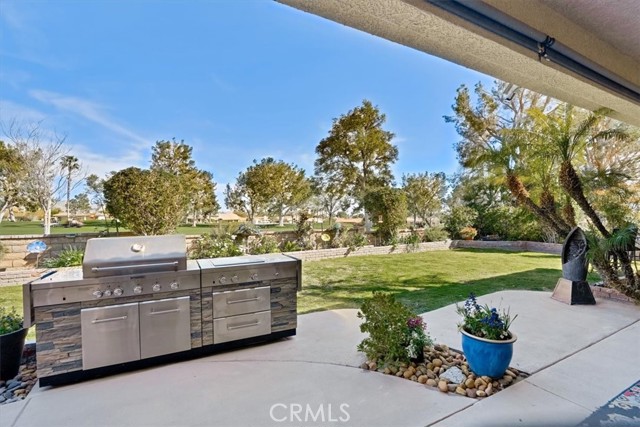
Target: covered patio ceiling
{"points": [[593, 61]]}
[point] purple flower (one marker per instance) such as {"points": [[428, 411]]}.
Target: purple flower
{"points": [[416, 323]]}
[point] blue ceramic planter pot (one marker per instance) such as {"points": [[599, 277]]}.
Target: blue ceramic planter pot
{"points": [[487, 357]]}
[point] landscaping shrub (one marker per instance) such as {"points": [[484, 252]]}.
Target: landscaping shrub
{"points": [[67, 258], [290, 246], [303, 231], [434, 234], [215, 245], [396, 333], [354, 240], [263, 245]]}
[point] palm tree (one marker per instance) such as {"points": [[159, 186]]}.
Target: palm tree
{"points": [[570, 139], [69, 164]]}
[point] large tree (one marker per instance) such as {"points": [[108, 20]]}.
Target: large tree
{"points": [[358, 153], [498, 140], [95, 191], [536, 147], [40, 154], [570, 134], [79, 204], [176, 158], [12, 175], [425, 193], [146, 200]]}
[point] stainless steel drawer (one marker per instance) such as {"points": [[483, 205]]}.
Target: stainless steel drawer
{"points": [[242, 301], [165, 326], [242, 326], [110, 335]]}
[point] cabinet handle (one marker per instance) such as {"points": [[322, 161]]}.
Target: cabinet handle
{"points": [[243, 325], [175, 310], [111, 319], [238, 301]]}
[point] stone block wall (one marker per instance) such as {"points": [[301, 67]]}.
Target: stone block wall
{"points": [[548, 248]]}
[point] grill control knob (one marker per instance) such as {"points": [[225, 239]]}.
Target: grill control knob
{"points": [[222, 280], [118, 291], [97, 294], [254, 276], [156, 287], [174, 285], [137, 289], [107, 293], [234, 278]]}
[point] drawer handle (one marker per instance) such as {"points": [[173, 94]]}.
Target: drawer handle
{"points": [[238, 301], [175, 310], [111, 319], [243, 325]]}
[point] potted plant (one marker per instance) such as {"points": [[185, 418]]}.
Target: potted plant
{"points": [[12, 336], [487, 342], [468, 233]]}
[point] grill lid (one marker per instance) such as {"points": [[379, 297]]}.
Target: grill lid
{"points": [[118, 256]]}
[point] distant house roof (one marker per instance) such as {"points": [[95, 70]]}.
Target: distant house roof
{"points": [[349, 220], [228, 216]]}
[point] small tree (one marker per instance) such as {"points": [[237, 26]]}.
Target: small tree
{"points": [[390, 205], [425, 193], [72, 176]]}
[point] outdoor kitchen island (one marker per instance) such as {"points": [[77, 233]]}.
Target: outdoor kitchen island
{"points": [[137, 302]]}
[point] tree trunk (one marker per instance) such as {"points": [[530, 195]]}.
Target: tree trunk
{"points": [[521, 194], [570, 181], [47, 218], [68, 198]]}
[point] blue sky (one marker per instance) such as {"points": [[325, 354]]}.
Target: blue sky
{"points": [[236, 80]]}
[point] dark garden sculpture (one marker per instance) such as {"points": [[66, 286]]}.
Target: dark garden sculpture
{"points": [[574, 256], [573, 288]]}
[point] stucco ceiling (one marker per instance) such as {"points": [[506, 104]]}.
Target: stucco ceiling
{"points": [[423, 26], [617, 22]]}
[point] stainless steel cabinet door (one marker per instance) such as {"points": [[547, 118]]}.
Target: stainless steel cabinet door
{"points": [[165, 326], [110, 335]]}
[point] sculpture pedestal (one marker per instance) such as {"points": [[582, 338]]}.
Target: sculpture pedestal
{"points": [[573, 292]]}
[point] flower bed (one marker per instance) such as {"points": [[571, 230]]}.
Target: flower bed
{"points": [[447, 370]]}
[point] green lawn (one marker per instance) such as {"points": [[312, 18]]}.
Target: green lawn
{"points": [[424, 281]]}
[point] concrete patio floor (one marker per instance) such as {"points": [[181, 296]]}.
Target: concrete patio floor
{"points": [[579, 357]]}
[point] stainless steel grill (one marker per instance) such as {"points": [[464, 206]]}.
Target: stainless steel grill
{"points": [[138, 298]]}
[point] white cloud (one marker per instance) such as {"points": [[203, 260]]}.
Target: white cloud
{"points": [[10, 111], [90, 111], [102, 164]]}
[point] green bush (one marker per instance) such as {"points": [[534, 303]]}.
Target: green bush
{"points": [[10, 320], [215, 246], [290, 246], [396, 333], [67, 258], [434, 234], [459, 216], [263, 245], [354, 240]]}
